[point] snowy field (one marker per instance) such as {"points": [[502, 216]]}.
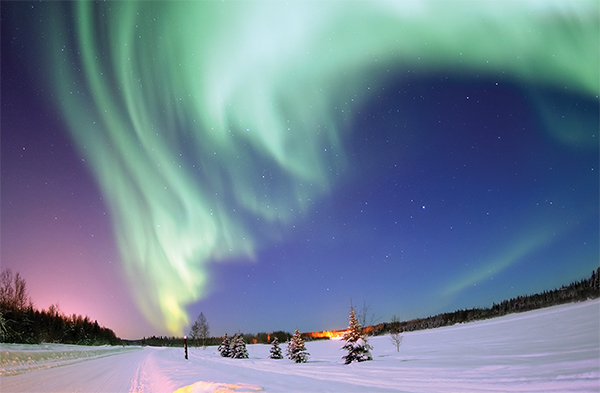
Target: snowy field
{"points": [[555, 349]]}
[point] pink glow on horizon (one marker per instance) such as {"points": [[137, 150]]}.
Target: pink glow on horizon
{"points": [[82, 277]]}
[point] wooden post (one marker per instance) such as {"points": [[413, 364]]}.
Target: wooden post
{"points": [[185, 346]]}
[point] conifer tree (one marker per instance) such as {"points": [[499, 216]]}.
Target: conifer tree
{"points": [[356, 343], [225, 347], [238, 348], [275, 352], [296, 350]]}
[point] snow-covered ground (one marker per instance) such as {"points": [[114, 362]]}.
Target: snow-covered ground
{"points": [[555, 349]]}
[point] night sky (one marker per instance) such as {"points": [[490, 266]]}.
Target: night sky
{"points": [[265, 163]]}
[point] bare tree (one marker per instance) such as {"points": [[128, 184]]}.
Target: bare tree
{"points": [[203, 329], [366, 319], [7, 292], [21, 295], [194, 334], [54, 310], [395, 332], [13, 291], [199, 330]]}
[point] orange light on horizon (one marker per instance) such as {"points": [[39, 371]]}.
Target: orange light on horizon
{"points": [[330, 334]]}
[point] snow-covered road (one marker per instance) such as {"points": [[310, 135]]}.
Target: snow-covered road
{"points": [[550, 350]]}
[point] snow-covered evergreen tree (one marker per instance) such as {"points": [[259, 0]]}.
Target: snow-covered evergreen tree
{"points": [[275, 352], [225, 347], [296, 350], [356, 343], [238, 348]]}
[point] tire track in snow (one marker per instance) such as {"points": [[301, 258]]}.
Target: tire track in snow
{"points": [[151, 376]]}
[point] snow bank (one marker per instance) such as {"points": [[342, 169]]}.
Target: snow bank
{"points": [[550, 350], [21, 358]]}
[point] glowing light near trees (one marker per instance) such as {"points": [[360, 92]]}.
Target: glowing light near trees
{"points": [[208, 125]]}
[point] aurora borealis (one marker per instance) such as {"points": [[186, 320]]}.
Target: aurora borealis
{"points": [[253, 157]]}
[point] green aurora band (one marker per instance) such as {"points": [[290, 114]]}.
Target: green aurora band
{"points": [[210, 125]]}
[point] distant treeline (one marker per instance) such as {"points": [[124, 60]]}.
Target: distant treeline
{"points": [[576, 291], [21, 323], [163, 341]]}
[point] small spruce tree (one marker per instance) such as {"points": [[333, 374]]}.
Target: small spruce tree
{"points": [[225, 347], [275, 352], [357, 347], [238, 348], [296, 350]]}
